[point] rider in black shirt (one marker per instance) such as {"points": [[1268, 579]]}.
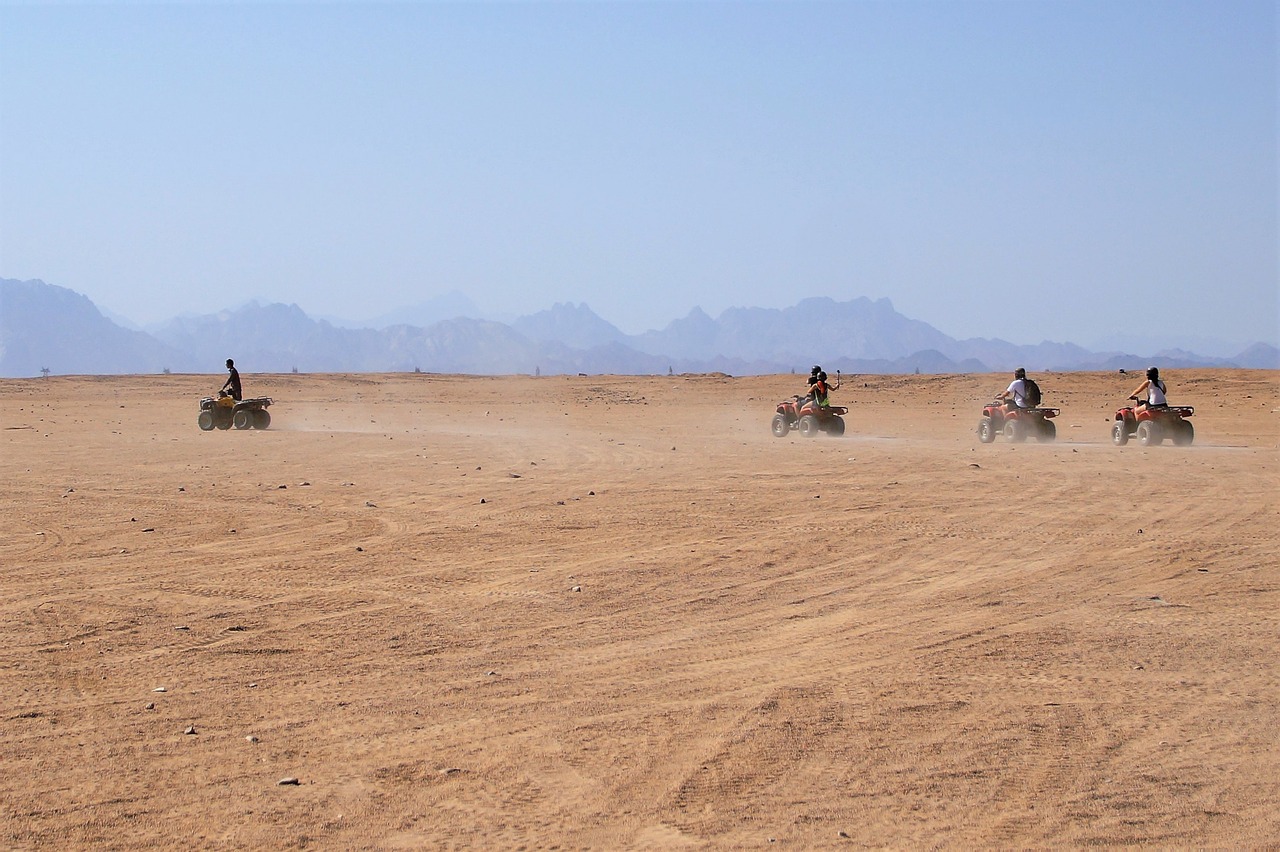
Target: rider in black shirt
{"points": [[233, 381]]}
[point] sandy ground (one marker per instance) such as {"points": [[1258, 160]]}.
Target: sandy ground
{"points": [[616, 612]]}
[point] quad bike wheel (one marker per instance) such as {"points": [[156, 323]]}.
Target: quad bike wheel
{"points": [[835, 428], [1184, 434], [242, 419], [1015, 431], [261, 419], [1149, 434], [1048, 432], [1119, 433], [986, 430], [205, 421], [780, 425], [809, 426]]}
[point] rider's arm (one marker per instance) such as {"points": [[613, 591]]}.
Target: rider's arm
{"points": [[1141, 388]]}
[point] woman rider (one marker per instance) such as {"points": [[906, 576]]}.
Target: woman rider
{"points": [[1155, 391]]}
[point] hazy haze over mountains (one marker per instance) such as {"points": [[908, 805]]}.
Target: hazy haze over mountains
{"points": [[43, 326]]}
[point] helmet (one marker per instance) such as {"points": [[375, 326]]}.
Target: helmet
{"points": [[815, 371], [1020, 373], [1153, 373], [822, 376]]}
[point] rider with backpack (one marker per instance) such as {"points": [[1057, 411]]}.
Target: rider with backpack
{"points": [[1025, 392]]}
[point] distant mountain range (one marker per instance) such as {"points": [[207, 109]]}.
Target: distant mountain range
{"points": [[48, 328]]}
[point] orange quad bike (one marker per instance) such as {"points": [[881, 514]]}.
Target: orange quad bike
{"points": [[224, 412], [1017, 424], [1152, 425], [808, 418]]}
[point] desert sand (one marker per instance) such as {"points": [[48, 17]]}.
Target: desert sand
{"points": [[617, 613]]}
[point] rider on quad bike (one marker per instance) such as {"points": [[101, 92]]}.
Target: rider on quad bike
{"points": [[1152, 419], [821, 389], [232, 386], [1016, 413], [231, 409], [812, 413]]}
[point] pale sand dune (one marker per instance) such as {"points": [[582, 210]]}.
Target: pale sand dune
{"points": [[898, 638]]}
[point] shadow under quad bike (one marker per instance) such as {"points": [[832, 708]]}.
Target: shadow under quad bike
{"points": [[806, 416], [225, 412], [1016, 424], [1152, 425]]}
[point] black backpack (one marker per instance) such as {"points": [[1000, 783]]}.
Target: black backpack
{"points": [[1032, 395]]}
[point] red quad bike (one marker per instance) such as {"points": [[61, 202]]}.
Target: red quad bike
{"points": [[808, 417], [1016, 424], [224, 412], [1153, 425]]}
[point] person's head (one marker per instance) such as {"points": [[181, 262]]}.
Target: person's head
{"points": [[1019, 373], [230, 363], [822, 375], [1152, 374], [815, 371]]}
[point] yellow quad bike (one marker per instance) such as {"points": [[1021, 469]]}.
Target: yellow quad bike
{"points": [[224, 412]]}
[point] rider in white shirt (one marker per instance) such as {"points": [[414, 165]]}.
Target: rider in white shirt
{"points": [[1154, 389], [1017, 389]]}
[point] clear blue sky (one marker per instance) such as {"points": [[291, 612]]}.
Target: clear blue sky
{"points": [[1030, 170]]}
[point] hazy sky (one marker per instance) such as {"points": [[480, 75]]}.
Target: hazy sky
{"points": [[1030, 170]]}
